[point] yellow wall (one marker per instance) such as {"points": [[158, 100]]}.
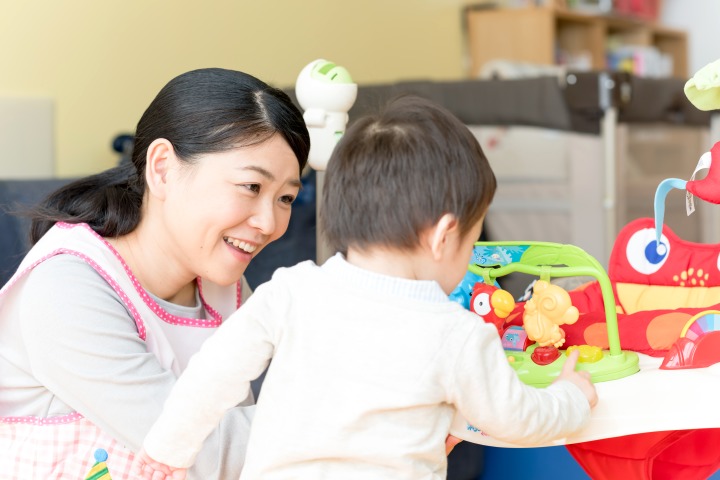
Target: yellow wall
{"points": [[102, 61]]}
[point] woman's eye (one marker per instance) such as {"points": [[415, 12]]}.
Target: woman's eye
{"points": [[253, 187], [287, 199]]}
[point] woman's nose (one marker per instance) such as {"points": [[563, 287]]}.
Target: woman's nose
{"points": [[263, 219]]}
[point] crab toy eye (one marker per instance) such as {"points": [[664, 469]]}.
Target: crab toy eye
{"points": [[481, 304], [644, 253]]}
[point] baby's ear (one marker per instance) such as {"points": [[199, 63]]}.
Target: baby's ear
{"points": [[439, 235]]}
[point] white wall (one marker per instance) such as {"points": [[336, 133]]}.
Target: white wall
{"points": [[701, 19]]}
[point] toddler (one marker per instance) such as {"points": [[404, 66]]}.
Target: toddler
{"points": [[370, 359]]}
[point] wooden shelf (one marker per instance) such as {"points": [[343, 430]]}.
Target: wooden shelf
{"points": [[550, 36]]}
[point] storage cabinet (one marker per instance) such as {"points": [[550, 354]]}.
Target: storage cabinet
{"points": [[556, 36]]}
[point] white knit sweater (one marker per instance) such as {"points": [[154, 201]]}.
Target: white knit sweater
{"points": [[367, 372]]}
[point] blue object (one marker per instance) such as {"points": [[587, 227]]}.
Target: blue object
{"points": [[655, 252], [662, 190], [545, 463], [101, 455]]}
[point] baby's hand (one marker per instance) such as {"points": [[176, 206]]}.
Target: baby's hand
{"points": [[581, 379], [450, 442], [146, 468]]}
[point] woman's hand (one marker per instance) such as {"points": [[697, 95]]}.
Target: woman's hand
{"points": [[450, 443], [146, 468]]}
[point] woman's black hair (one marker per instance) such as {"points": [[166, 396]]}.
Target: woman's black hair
{"points": [[199, 112]]}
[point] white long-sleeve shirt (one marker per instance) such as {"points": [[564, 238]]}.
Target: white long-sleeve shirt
{"points": [[367, 372]]}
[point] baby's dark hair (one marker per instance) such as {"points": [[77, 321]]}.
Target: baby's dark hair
{"points": [[396, 173], [199, 112]]}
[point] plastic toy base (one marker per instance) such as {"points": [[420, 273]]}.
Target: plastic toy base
{"points": [[699, 353], [609, 367]]}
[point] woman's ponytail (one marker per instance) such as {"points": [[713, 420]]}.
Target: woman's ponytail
{"points": [[109, 202]]}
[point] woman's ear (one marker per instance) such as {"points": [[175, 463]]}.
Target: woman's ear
{"points": [[440, 235], [160, 156]]}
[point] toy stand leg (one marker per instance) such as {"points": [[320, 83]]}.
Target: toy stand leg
{"points": [[687, 454]]}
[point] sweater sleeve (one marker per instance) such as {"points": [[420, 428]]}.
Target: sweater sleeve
{"points": [[83, 346], [491, 397], [216, 378]]}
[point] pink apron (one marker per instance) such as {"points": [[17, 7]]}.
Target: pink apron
{"points": [[63, 447]]}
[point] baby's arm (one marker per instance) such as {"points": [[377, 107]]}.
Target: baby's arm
{"points": [[491, 397], [216, 379]]}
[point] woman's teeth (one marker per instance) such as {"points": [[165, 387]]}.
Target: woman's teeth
{"points": [[244, 246]]}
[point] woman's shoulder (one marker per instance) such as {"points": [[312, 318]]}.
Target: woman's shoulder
{"points": [[65, 293], [65, 274], [63, 265]]}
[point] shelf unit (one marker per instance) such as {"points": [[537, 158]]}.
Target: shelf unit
{"points": [[538, 35]]}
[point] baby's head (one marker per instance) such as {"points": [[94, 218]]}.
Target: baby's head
{"points": [[397, 173]]}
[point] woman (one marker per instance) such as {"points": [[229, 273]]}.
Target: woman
{"points": [[133, 268]]}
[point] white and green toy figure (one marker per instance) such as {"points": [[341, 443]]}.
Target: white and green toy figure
{"points": [[326, 93], [703, 89]]}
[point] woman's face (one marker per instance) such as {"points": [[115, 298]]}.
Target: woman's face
{"points": [[224, 210]]}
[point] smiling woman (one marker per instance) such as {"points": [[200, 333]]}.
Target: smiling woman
{"points": [[226, 206], [133, 268]]}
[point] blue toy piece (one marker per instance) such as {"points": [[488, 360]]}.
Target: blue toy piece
{"points": [[659, 204], [99, 471]]}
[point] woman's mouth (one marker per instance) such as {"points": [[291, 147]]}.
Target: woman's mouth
{"points": [[240, 244]]}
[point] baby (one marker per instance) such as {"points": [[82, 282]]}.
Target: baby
{"points": [[370, 358]]}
